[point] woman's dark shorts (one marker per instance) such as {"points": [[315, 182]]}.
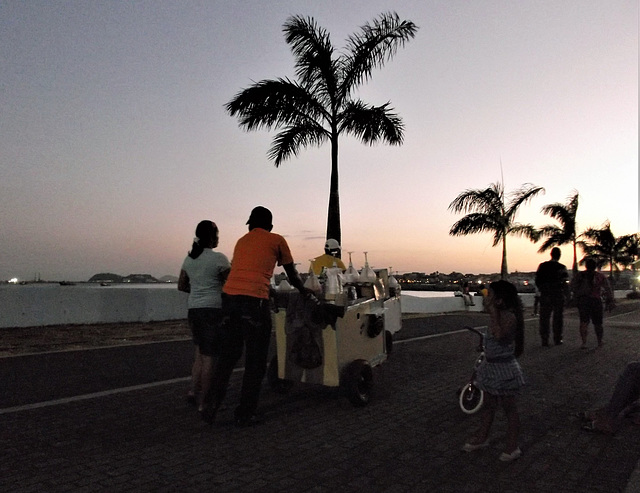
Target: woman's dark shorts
{"points": [[590, 310], [205, 327]]}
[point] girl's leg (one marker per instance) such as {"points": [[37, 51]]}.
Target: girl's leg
{"points": [[487, 414], [513, 423]]}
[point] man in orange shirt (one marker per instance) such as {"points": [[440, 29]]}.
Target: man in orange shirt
{"points": [[247, 303]]}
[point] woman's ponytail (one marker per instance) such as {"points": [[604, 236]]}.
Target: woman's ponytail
{"points": [[206, 231]]}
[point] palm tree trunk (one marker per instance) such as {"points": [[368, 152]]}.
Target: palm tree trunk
{"points": [[333, 218], [575, 257], [503, 269]]}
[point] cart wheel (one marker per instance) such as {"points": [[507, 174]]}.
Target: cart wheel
{"points": [[471, 399], [388, 341], [277, 384], [358, 381]]}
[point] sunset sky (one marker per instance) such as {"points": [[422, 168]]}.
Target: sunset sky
{"points": [[114, 141]]}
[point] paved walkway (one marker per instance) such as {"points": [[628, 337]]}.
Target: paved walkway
{"points": [[407, 439]]}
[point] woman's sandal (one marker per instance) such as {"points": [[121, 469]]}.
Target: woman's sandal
{"points": [[597, 427]]}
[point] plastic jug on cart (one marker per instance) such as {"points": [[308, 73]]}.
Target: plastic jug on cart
{"points": [[394, 285], [284, 286], [367, 274], [313, 283], [351, 274], [333, 285]]}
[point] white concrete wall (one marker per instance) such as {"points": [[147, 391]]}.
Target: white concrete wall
{"points": [[445, 304], [31, 306]]}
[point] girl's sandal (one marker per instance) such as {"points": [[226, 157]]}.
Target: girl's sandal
{"points": [[583, 415]]}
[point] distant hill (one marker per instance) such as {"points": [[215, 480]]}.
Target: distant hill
{"points": [[133, 278], [106, 277], [139, 278], [168, 279]]}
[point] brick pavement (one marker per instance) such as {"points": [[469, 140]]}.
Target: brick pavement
{"points": [[407, 440]]}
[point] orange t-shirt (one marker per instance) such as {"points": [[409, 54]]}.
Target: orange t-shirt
{"points": [[254, 258]]}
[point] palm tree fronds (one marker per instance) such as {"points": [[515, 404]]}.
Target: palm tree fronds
{"points": [[489, 199], [554, 235], [521, 196], [526, 230], [286, 143], [274, 103], [373, 46], [372, 123], [474, 223], [313, 51]]}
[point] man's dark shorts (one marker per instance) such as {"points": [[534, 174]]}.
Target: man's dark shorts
{"points": [[205, 327]]}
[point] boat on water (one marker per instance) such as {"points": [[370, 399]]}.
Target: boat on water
{"points": [[67, 283]]}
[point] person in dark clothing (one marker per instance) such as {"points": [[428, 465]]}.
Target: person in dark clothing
{"points": [[589, 288], [551, 281], [246, 301], [623, 403]]}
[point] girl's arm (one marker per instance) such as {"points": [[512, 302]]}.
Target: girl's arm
{"points": [[183, 282], [505, 324], [224, 274]]}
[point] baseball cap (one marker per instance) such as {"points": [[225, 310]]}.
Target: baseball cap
{"points": [[260, 216]]}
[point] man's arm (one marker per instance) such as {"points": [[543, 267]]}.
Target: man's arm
{"points": [[609, 298], [539, 277], [294, 277]]}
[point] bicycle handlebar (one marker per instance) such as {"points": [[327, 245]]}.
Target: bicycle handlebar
{"points": [[477, 332]]}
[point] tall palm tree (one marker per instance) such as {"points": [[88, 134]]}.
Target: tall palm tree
{"points": [[488, 212], [606, 249], [565, 214], [321, 105]]}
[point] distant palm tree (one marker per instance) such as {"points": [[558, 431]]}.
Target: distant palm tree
{"points": [[633, 253], [565, 214], [632, 249], [490, 213], [606, 249], [320, 106]]}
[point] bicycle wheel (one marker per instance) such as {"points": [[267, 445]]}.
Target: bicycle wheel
{"points": [[471, 399]]}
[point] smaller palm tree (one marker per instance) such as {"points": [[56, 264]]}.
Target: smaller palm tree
{"points": [[630, 249], [601, 245], [633, 252], [565, 214], [489, 212]]}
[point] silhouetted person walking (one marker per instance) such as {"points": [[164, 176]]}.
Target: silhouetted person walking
{"points": [[551, 281], [589, 288]]}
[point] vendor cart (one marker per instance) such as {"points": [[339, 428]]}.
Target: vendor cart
{"points": [[335, 343]]}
